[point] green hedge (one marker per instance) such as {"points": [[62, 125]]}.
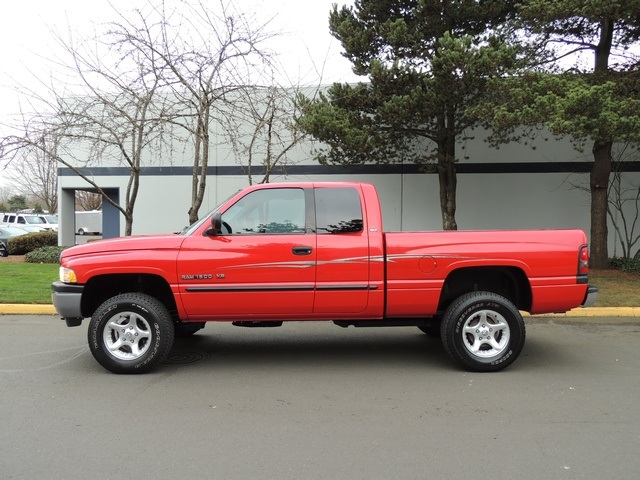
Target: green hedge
{"points": [[29, 242], [629, 265], [44, 255]]}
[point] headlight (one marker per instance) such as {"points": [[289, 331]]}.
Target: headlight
{"points": [[67, 275]]}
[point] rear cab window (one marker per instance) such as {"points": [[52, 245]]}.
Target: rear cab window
{"points": [[338, 210]]}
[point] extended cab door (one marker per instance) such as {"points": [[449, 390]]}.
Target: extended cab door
{"points": [[263, 265], [342, 281]]}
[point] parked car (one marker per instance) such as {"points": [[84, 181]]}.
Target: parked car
{"points": [[33, 228], [51, 221], [7, 232], [19, 219]]}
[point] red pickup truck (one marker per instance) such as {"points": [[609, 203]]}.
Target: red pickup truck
{"points": [[316, 251]]}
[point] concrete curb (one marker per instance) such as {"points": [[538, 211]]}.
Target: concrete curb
{"points": [[24, 309], [20, 309], [595, 312]]}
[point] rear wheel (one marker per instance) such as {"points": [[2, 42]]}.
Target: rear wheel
{"points": [[483, 332], [131, 333]]}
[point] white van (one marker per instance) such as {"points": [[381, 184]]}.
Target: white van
{"points": [[18, 219], [50, 220]]}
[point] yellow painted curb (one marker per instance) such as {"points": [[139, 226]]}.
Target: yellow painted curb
{"points": [[595, 312], [605, 312], [19, 309]]}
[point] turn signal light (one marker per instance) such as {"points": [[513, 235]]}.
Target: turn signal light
{"points": [[67, 275]]}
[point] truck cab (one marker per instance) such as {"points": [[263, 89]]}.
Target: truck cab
{"points": [[293, 251]]}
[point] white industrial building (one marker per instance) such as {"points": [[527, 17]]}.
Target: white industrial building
{"points": [[514, 187]]}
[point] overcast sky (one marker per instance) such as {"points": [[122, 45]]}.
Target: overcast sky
{"points": [[25, 37]]}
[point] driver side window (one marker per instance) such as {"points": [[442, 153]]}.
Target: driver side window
{"points": [[273, 211]]}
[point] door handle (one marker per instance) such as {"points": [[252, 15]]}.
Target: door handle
{"points": [[302, 250]]}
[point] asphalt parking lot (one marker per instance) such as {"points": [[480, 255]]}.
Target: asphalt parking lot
{"points": [[314, 401]]}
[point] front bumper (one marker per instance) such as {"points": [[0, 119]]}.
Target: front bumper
{"points": [[66, 300], [590, 297]]}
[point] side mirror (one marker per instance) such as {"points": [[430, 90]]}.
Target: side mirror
{"points": [[216, 225]]}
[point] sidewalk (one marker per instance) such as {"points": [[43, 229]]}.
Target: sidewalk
{"points": [[19, 309]]}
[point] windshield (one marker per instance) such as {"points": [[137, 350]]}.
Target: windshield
{"points": [[192, 228], [33, 219]]}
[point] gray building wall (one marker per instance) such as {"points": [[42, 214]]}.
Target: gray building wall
{"points": [[514, 187]]}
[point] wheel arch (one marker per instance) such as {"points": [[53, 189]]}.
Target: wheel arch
{"points": [[509, 282], [98, 289]]}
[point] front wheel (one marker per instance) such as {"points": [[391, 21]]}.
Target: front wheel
{"points": [[483, 332], [131, 333]]}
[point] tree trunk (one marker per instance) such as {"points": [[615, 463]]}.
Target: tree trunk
{"points": [[447, 175], [599, 179], [599, 183], [201, 160]]}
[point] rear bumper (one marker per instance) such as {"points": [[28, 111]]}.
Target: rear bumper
{"points": [[66, 300], [590, 297]]}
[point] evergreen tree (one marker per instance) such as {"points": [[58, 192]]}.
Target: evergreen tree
{"points": [[587, 87], [427, 62], [17, 203]]}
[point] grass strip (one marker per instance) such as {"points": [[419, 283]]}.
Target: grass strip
{"points": [[27, 282], [30, 283]]}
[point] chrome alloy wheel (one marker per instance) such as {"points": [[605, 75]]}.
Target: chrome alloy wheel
{"points": [[127, 336], [486, 334]]}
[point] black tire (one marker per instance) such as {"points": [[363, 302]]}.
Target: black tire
{"points": [[131, 333], [483, 332]]}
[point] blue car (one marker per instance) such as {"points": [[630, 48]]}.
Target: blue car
{"points": [[5, 234]]}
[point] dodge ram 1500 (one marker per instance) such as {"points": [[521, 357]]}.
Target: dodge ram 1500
{"points": [[317, 252]]}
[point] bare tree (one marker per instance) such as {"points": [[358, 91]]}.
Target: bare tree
{"points": [[206, 53], [35, 172], [112, 114], [88, 201], [624, 203], [262, 130], [186, 64]]}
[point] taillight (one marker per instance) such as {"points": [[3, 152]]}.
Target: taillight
{"points": [[583, 260]]}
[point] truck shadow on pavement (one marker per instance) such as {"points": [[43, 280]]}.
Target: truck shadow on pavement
{"points": [[222, 348], [405, 349]]}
